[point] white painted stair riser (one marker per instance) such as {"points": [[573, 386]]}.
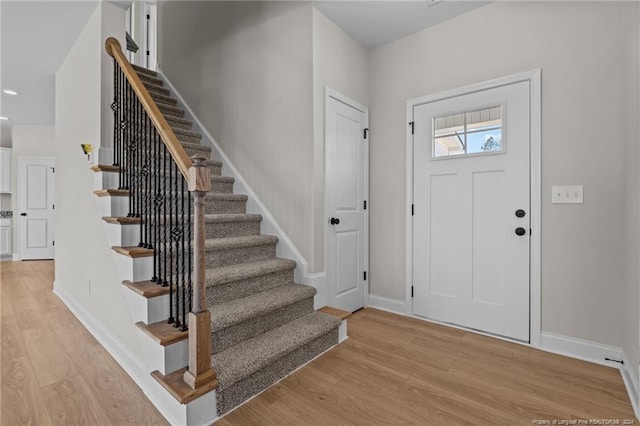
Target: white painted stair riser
{"points": [[165, 359], [122, 235], [147, 310], [134, 269], [113, 206], [197, 412], [105, 180]]}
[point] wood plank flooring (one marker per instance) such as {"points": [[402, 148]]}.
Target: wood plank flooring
{"points": [[399, 370], [53, 371], [392, 370]]}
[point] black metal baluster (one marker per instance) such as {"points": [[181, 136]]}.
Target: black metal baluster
{"points": [[183, 197], [157, 206], [190, 249], [170, 228], [167, 224]]}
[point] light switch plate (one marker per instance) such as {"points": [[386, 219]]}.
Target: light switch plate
{"points": [[572, 194]]}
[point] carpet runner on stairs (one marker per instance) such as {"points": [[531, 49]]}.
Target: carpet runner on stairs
{"points": [[263, 323]]}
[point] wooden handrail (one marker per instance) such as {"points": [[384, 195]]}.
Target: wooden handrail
{"points": [[169, 138]]}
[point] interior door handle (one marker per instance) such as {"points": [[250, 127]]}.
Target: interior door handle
{"points": [[23, 214], [520, 231], [334, 221]]}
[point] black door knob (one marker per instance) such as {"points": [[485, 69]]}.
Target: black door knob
{"points": [[23, 214], [520, 231], [520, 213], [334, 221]]}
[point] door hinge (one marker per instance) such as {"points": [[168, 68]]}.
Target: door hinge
{"points": [[53, 207], [148, 16], [366, 131], [412, 124], [365, 204], [411, 209], [412, 291], [365, 275], [147, 53], [53, 170], [54, 243]]}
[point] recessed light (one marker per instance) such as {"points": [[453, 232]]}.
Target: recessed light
{"points": [[3, 118], [11, 92]]}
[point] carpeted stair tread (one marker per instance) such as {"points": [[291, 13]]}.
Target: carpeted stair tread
{"points": [[195, 146], [156, 89], [149, 79], [163, 99], [239, 242], [213, 196], [239, 310], [245, 358], [173, 119], [230, 217], [243, 271], [185, 132], [170, 110], [143, 70]]}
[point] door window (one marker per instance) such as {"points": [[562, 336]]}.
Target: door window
{"points": [[478, 131]]}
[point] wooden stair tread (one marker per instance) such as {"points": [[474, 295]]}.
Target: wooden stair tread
{"points": [[122, 220], [112, 192], [163, 333], [105, 168], [338, 313], [175, 385], [147, 289], [133, 252]]}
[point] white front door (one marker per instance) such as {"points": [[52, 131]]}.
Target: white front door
{"points": [[471, 242], [346, 174], [37, 204]]}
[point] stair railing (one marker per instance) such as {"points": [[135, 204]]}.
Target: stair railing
{"points": [[154, 167]]}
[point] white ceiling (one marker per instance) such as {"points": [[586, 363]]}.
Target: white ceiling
{"points": [[35, 37], [374, 23]]}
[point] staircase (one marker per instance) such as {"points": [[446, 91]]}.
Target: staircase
{"points": [[263, 324]]}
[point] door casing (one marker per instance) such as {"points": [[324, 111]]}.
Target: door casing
{"points": [[332, 94], [534, 79]]}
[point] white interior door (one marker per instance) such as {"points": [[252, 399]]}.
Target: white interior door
{"points": [[37, 204], [346, 171], [471, 242]]}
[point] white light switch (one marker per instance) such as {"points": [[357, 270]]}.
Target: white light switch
{"points": [[567, 194]]}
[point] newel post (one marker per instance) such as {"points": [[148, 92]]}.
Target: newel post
{"points": [[200, 371]]}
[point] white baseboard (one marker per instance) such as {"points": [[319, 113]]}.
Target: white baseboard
{"points": [[317, 281], [387, 304], [16, 257], [630, 378], [131, 364], [581, 349]]}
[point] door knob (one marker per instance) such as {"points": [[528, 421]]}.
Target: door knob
{"points": [[520, 213], [520, 231], [334, 221], [23, 214]]}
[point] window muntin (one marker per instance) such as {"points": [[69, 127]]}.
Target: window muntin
{"points": [[471, 132]]}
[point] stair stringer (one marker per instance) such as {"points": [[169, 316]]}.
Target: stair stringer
{"points": [[195, 413], [269, 225]]}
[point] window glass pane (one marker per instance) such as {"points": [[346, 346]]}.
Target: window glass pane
{"points": [[470, 132], [449, 145]]}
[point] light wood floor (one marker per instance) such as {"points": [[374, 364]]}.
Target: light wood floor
{"points": [[53, 371], [392, 370]]}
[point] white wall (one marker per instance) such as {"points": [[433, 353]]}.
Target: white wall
{"points": [[245, 68], [339, 63], [28, 141], [5, 142], [85, 269], [586, 114]]}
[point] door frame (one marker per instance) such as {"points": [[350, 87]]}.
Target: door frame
{"points": [[535, 129], [22, 160], [333, 94]]}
